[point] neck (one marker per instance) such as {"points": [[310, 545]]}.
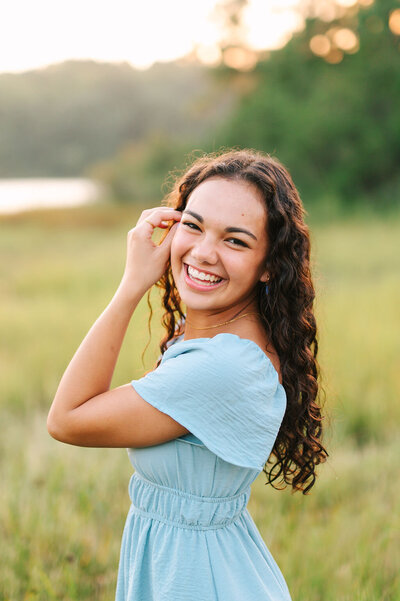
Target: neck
{"points": [[203, 324]]}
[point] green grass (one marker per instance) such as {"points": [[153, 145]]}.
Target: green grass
{"points": [[62, 509]]}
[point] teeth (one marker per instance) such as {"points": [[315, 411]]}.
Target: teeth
{"points": [[200, 275]]}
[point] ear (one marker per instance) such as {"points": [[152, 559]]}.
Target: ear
{"points": [[264, 277]]}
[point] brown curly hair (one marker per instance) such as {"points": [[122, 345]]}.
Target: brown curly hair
{"points": [[286, 309]]}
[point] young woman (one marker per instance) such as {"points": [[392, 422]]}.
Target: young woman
{"points": [[233, 394]]}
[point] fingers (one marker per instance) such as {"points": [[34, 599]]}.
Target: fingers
{"points": [[165, 246], [160, 217]]}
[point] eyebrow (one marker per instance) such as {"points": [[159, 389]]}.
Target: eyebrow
{"points": [[227, 229]]}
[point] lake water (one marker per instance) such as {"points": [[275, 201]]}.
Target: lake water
{"points": [[17, 195]]}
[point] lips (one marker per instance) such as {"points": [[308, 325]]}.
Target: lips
{"points": [[198, 285], [203, 270]]}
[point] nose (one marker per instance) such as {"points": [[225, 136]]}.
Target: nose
{"points": [[204, 251]]}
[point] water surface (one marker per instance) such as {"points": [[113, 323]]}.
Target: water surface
{"points": [[17, 195]]}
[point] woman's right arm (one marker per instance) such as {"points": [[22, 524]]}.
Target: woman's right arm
{"points": [[89, 374]]}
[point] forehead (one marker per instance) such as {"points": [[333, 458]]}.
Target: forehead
{"points": [[229, 203]]}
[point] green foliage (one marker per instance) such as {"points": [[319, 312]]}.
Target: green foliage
{"points": [[335, 126], [62, 508], [61, 120], [138, 173]]}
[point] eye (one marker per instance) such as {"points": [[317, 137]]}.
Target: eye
{"points": [[238, 242], [234, 241], [191, 225]]}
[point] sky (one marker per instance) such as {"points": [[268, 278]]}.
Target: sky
{"points": [[35, 34]]}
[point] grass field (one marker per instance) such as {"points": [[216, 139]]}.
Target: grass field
{"points": [[62, 509]]}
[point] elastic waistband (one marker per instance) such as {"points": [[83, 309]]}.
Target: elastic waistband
{"points": [[183, 509]]}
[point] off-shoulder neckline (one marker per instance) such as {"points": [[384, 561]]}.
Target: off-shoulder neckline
{"points": [[259, 349]]}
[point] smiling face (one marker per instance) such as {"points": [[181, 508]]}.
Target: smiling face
{"points": [[218, 251]]}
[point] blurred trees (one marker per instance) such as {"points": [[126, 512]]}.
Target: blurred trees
{"points": [[326, 105], [331, 117], [62, 119], [138, 173]]}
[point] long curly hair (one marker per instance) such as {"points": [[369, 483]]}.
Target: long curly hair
{"points": [[286, 309]]}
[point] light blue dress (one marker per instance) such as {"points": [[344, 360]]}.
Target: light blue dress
{"points": [[188, 535]]}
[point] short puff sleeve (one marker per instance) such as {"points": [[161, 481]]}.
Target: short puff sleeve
{"points": [[225, 391]]}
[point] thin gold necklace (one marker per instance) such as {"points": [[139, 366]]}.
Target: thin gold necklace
{"points": [[221, 324]]}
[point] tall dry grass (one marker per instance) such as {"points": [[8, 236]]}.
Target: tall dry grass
{"points": [[62, 509]]}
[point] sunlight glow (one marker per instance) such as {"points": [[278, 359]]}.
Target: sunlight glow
{"points": [[320, 45], [394, 21], [270, 24], [331, 45], [334, 56], [326, 10], [346, 3], [36, 34], [239, 58], [209, 55], [346, 39], [119, 31]]}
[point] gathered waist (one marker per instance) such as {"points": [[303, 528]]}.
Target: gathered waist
{"points": [[184, 509]]}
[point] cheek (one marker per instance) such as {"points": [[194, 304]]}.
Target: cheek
{"points": [[177, 249], [243, 270], [240, 265], [180, 243]]}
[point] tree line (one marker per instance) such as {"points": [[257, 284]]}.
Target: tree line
{"points": [[326, 105]]}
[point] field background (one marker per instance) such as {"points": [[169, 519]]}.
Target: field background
{"points": [[62, 509]]}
